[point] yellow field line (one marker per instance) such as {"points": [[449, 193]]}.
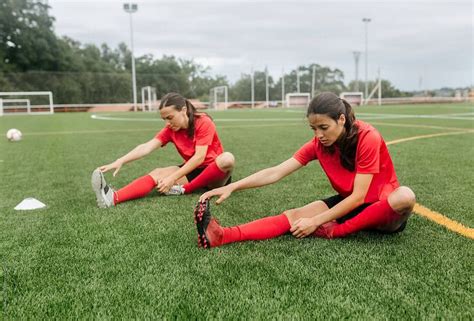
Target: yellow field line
{"points": [[426, 212], [443, 220], [401, 140], [416, 126]]}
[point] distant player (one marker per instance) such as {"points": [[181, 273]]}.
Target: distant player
{"points": [[195, 138], [357, 163]]}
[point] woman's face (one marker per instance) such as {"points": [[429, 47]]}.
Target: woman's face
{"points": [[175, 119], [326, 129]]}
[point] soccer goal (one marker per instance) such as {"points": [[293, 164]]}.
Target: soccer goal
{"points": [[355, 98], [26, 103], [297, 99], [218, 98], [149, 101]]}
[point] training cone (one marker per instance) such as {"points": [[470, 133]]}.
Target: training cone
{"points": [[29, 203]]}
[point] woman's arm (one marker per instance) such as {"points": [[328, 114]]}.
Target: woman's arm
{"points": [[136, 153], [264, 177], [305, 226], [197, 159], [361, 187]]}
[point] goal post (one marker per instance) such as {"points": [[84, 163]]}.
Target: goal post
{"points": [[149, 99], [297, 99], [218, 98], [32, 102], [355, 98]]}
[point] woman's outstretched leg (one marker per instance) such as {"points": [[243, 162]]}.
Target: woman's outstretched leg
{"points": [[212, 234], [142, 186]]}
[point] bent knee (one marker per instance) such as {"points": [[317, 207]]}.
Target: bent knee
{"points": [[226, 161], [156, 174], [402, 199], [292, 215]]}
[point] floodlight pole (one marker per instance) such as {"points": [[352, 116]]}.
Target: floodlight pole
{"points": [[131, 8], [366, 23], [282, 87], [313, 81], [252, 80], [298, 79], [267, 94], [379, 88], [356, 60]]}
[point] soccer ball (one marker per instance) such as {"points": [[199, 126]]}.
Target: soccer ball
{"points": [[14, 135]]}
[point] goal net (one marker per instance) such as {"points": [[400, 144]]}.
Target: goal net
{"points": [[355, 98], [297, 99], [26, 102], [218, 98]]}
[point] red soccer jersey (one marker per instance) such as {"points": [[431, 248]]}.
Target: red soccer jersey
{"points": [[204, 135], [372, 157]]}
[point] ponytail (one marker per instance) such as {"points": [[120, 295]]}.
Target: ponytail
{"points": [[349, 139], [190, 111]]}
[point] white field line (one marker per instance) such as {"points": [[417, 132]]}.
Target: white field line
{"points": [[155, 130], [100, 117], [365, 116], [295, 122]]}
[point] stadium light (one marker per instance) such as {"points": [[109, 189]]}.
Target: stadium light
{"points": [[356, 60], [366, 23], [267, 93], [252, 85], [282, 87], [131, 8]]}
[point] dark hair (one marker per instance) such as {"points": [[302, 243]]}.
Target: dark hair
{"points": [[178, 102], [329, 104]]}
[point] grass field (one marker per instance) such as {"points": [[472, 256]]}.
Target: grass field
{"points": [[140, 259]]}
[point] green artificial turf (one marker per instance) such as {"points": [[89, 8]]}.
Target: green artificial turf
{"points": [[140, 259]]}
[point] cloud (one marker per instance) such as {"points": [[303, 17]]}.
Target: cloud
{"points": [[407, 39]]}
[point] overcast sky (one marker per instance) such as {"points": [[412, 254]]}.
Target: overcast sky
{"points": [[431, 40]]}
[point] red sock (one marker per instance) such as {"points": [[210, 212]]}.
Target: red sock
{"points": [[212, 173], [376, 214], [136, 189], [262, 229]]}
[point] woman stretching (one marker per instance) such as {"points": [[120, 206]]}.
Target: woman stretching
{"points": [[357, 163], [195, 137]]}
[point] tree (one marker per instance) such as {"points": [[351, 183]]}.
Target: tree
{"points": [[388, 90], [27, 38]]}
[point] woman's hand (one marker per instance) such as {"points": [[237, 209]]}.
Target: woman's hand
{"points": [[115, 165], [303, 227], [223, 193], [165, 184]]}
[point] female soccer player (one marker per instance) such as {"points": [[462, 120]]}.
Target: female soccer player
{"points": [[356, 161], [195, 137]]}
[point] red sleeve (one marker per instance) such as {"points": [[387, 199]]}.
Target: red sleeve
{"points": [[306, 153], [368, 153], [204, 131], [164, 136]]}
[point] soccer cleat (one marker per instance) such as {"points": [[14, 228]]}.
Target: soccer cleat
{"points": [[175, 190], [103, 193], [210, 233]]}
